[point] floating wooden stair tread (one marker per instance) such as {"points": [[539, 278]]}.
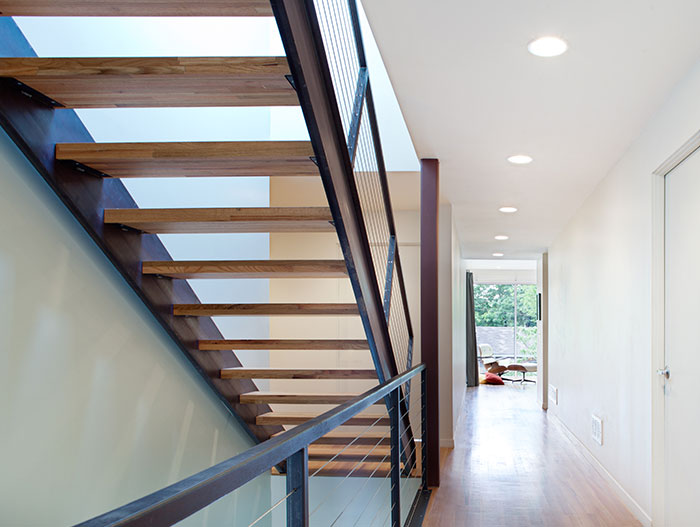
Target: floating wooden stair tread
{"points": [[221, 220], [295, 373], [248, 269], [297, 398], [193, 159], [279, 418], [135, 8], [366, 469], [222, 310], [368, 437], [350, 453], [156, 81], [284, 344]]}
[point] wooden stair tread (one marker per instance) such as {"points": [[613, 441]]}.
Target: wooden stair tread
{"points": [[317, 451], [193, 159], [135, 8], [369, 437], [297, 418], [374, 456], [284, 344], [223, 220], [339, 439], [336, 468], [220, 310], [297, 398], [248, 269], [156, 81], [297, 373]]}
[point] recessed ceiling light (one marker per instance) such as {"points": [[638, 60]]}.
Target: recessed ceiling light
{"points": [[508, 210], [500, 237], [520, 159], [547, 47], [497, 255]]}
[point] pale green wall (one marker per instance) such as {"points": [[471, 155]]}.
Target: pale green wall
{"points": [[97, 407]]}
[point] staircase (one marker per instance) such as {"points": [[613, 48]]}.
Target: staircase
{"points": [[37, 96]]}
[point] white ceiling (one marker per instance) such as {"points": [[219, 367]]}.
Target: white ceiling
{"points": [[472, 95]]}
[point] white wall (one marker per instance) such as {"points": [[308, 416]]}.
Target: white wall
{"points": [[459, 327], [503, 271], [600, 302], [451, 309], [543, 332], [505, 276], [97, 406], [308, 191]]}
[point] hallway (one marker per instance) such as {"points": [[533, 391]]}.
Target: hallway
{"points": [[512, 466]]}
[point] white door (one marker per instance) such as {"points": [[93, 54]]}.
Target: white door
{"points": [[682, 312]]}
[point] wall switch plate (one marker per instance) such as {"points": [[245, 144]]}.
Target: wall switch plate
{"points": [[597, 429], [553, 394]]}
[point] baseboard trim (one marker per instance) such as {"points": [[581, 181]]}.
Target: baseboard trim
{"points": [[447, 443], [626, 498]]}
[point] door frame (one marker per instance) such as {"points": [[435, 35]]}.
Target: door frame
{"points": [[658, 325]]}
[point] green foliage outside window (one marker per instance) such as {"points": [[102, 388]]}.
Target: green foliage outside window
{"points": [[494, 307]]}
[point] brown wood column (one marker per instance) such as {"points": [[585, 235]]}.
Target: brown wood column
{"points": [[429, 213]]}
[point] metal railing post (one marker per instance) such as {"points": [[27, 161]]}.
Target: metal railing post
{"points": [[298, 486], [395, 458], [424, 433]]}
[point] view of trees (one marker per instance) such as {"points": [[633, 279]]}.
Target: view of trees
{"points": [[494, 306]]}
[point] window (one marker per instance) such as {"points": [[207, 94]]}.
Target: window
{"points": [[506, 318]]}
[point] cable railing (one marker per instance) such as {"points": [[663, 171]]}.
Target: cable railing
{"points": [[391, 482], [376, 476], [324, 47]]}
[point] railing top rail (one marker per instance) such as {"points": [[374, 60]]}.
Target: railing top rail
{"points": [[182, 499]]}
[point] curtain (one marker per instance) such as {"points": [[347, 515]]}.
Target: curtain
{"points": [[472, 359]]}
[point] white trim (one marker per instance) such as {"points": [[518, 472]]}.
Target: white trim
{"points": [[448, 442], [628, 500], [680, 155], [543, 328], [658, 323]]}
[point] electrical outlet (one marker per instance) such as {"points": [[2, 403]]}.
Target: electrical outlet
{"points": [[597, 429], [553, 394]]}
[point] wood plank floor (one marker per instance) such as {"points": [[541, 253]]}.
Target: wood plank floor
{"points": [[513, 466]]}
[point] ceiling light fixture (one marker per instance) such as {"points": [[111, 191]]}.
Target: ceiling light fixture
{"points": [[497, 255], [520, 159], [508, 210], [500, 237], [547, 47]]}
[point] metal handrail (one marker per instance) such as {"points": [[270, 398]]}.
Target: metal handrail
{"points": [[182, 499]]}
